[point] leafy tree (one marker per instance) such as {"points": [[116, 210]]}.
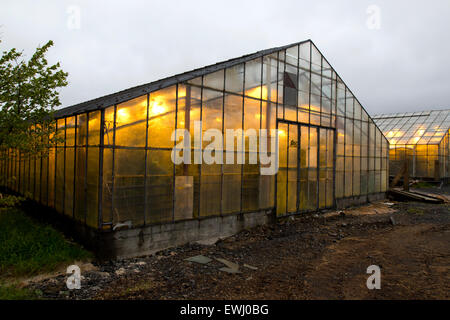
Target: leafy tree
{"points": [[28, 96]]}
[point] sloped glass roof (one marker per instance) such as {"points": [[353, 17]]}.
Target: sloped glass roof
{"points": [[426, 127]]}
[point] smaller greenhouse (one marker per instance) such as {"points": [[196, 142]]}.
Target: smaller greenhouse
{"points": [[422, 139]]}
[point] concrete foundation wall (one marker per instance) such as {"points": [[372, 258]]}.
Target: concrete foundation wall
{"points": [[149, 239], [359, 200]]}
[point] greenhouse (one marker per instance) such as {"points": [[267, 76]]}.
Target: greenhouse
{"points": [[114, 173], [419, 138]]}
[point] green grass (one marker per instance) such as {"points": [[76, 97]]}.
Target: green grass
{"points": [[423, 184], [417, 211], [13, 292], [28, 247]]}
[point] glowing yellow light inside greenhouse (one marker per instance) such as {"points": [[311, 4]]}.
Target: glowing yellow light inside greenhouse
{"points": [[420, 132], [181, 92], [254, 93], [390, 134], [281, 132], [156, 108], [265, 93], [122, 115], [218, 119]]}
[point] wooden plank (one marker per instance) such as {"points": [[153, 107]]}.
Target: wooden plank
{"points": [[414, 196]]}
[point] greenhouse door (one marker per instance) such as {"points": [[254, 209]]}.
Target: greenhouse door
{"points": [[305, 179]]}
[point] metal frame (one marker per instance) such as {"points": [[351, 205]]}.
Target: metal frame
{"points": [[147, 89]]}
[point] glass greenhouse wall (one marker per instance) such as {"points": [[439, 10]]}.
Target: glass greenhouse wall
{"points": [[114, 165], [422, 139]]}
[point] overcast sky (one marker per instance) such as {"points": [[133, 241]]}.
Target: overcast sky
{"points": [[397, 63]]}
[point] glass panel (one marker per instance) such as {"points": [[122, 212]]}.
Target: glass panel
{"points": [[68, 182], [269, 89], [322, 167], [212, 110], [250, 188], [292, 56], [316, 59], [131, 121], [330, 166], [357, 110], [30, 179], [81, 129], [253, 78], [234, 79], [161, 117], [268, 116], [305, 54], [340, 98], [80, 178], [349, 104], [60, 133], [187, 191], [280, 81], [107, 186], [128, 197], [70, 131], [214, 80], [37, 181], [159, 186], [210, 189], [92, 187], [304, 164], [250, 182], [292, 168], [252, 114], [231, 188], [184, 197], [312, 173], [189, 98], [94, 128], [196, 81], [282, 170], [109, 127], [21, 172], [233, 115], [290, 95], [348, 176], [356, 176], [59, 182]]}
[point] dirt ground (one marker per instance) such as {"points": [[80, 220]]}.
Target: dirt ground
{"points": [[315, 256]]}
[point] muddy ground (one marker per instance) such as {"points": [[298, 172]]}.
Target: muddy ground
{"points": [[315, 256]]}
